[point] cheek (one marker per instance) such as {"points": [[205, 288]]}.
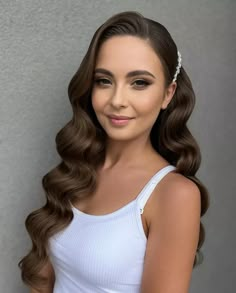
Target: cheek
{"points": [[143, 103], [99, 98], [149, 104], [97, 101]]}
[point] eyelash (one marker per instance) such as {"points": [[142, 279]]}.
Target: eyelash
{"points": [[145, 83]]}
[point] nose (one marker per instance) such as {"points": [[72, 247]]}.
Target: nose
{"points": [[118, 98]]}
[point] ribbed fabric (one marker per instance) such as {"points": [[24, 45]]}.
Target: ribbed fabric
{"points": [[103, 253]]}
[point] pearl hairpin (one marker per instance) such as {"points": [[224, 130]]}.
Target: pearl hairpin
{"points": [[178, 66]]}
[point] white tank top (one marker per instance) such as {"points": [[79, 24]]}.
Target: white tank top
{"points": [[103, 253]]}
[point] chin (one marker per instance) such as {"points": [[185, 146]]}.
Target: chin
{"points": [[119, 136]]}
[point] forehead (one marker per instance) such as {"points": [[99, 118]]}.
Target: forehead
{"points": [[126, 53]]}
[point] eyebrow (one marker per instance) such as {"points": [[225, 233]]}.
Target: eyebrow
{"points": [[129, 74]]}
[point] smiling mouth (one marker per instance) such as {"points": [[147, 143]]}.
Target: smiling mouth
{"points": [[117, 117], [119, 120]]}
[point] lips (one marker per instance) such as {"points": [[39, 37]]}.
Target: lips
{"points": [[119, 117]]}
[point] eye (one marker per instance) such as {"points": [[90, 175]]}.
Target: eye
{"points": [[140, 83], [101, 81]]}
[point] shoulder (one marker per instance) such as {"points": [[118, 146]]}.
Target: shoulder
{"points": [[174, 214], [178, 189], [175, 193]]}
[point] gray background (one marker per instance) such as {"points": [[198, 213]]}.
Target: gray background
{"points": [[42, 44]]}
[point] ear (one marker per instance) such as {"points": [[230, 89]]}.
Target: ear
{"points": [[168, 95]]}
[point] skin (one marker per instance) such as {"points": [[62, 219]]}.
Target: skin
{"points": [[171, 217], [172, 213], [129, 96]]}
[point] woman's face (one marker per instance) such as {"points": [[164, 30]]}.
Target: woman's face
{"points": [[121, 89]]}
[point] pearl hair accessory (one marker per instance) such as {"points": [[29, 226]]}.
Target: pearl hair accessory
{"points": [[178, 66]]}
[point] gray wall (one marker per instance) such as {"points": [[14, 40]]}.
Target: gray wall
{"points": [[42, 43]]}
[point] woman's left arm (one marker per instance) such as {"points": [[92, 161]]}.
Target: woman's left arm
{"points": [[173, 237]]}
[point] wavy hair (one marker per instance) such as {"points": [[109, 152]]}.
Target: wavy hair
{"points": [[81, 143]]}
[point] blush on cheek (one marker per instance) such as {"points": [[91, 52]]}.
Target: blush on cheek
{"points": [[94, 103]]}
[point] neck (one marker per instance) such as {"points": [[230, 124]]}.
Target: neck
{"points": [[127, 153]]}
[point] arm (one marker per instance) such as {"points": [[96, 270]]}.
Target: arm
{"points": [[173, 237], [47, 271]]}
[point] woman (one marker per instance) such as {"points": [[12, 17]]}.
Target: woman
{"points": [[123, 207]]}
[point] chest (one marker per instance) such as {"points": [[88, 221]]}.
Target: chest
{"points": [[100, 250], [114, 192]]}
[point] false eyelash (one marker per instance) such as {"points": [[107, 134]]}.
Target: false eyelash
{"points": [[145, 82], [98, 80]]}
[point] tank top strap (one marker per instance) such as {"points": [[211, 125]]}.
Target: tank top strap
{"points": [[149, 187]]}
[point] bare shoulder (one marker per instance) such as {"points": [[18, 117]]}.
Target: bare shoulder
{"points": [[174, 215], [179, 188], [174, 192], [174, 181]]}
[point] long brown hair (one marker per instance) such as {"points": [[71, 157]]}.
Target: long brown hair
{"points": [[81, 143]]}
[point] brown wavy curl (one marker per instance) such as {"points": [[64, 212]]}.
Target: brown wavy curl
{"points": [[81, 143]]}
